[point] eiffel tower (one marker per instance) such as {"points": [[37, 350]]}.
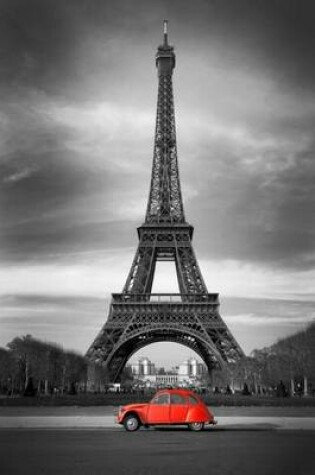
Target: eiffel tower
{"points": [[137, 317]]}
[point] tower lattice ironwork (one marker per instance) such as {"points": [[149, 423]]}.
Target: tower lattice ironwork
{"points": [[136, 316]]}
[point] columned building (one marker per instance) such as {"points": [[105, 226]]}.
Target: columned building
{"points": [[189, 372], [191, 367], [143, 367]]}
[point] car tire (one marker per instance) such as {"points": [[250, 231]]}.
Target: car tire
{"points": [[196, 426], [131, 423]]}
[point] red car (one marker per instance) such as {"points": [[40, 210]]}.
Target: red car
{"points": [[169, 406]]}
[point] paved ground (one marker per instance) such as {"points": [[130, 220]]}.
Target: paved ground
{"points": [[86, 441], [156, 452], [223, 411], [108, 422], [240, 418]]}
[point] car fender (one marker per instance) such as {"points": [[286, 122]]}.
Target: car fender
{"points": [[196, 414], [136, 413]]}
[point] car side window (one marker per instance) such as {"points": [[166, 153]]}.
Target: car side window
{"points": [[177, 399], [192, 401], [161, 399]]}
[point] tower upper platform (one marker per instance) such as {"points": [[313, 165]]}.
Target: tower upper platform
{"points": [[165, 56]]}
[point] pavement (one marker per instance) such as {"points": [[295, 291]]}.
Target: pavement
{"points": [[108, 422], [156, 452]]}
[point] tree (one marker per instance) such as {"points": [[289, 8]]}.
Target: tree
{"points": [[75, 371], [8, 371], [289, 360], [46, 364], [21, 348]]}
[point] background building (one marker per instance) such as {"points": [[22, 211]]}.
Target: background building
{"points": [[188, 373], [143, 367]]}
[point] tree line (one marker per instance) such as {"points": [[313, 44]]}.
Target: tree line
{"points": [[285, 368], [291, 360], [29, 366]]}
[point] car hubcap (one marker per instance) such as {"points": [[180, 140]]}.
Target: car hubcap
{"points": [[132, 424]]}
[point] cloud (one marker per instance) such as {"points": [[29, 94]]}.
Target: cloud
{"points": [[256, 203], [47, 38], [252, 319], [20, 175], [79, 121], [53, 318], [114, 137], [81, 274], [63, 180], [234, 278], [37, 44], [259, 322]]}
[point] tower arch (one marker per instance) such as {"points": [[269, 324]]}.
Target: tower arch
{"points": [[192, 339]]}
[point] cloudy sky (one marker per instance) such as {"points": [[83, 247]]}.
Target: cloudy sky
{"points": [[78, 90]]}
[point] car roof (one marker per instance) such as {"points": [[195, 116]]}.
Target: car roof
{"points": [[184, 392]]}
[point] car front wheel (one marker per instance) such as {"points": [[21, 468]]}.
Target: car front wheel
{"points": [[131, 423], [196, 426]]}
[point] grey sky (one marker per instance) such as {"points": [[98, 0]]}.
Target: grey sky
{"points": [[78, 92]]}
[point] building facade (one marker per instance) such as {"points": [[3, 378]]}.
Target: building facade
{"points": [[189, 373], [142, 367]]}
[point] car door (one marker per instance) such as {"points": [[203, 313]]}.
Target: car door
{"points": [[159, 409], [178, 408]]}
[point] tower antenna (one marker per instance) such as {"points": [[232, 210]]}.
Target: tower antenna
{"points": [[165, 24]]}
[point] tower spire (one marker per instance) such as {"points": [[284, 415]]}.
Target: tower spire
{"points": [[165, 203], [165, 25]]}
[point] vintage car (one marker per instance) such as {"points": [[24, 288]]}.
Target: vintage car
{"points": [[168, 406]]}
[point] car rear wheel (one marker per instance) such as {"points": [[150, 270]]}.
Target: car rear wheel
{"points": [[131, 423], [196, 426]]}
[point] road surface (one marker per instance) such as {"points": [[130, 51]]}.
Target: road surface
{"points": [[163, 451]]}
